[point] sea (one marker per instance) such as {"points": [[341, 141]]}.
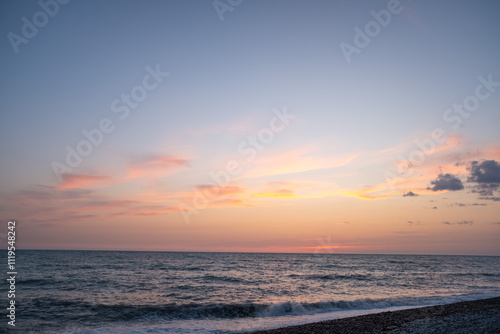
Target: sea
{"points": [[187, 292]]}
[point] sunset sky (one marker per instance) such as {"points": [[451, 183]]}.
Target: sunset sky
{"points": [[254, 126]]}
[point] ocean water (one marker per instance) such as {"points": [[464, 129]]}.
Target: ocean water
{"points": [[170, 292]]}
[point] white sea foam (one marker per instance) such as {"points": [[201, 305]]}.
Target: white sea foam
{"points": [[273, 318]]}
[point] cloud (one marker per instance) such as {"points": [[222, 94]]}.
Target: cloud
{"points": [[452, 141], [44, 205], [146, 211], [467, 204], [155, 166], [327, 248], [486, 175], [453, 161], [70, 181], [485, 189], [287, 189], [446, 182], [277, 193], [74, 194], [207, 196], [366, 193], [229, 202], [410, 194], [297, 161], [44, 194], [496, 199], [414, 222], [62, 219], [463, 222], [107, 204], [214, 190], [48, 205], [487, 171]]}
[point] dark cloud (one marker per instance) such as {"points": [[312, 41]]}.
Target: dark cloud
{"points": [[446, 182], [486, 171], [486, 175], [485, 189], [463, 222], [435, 207], [414, 223], [467, 204], [410, 193], [496, 199]]}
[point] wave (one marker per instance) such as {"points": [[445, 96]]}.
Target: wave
{"points": [[226, 279], [124, 313], [327, 277], [36, 281]]}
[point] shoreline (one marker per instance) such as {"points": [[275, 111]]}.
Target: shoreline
{"points": [[477, 316]]}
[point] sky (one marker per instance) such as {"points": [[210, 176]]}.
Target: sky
{"points": [[251, 126]]}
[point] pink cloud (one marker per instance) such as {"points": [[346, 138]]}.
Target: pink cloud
{"points": [[146, 210], [415, 148], [229, 202], [107, 204], [215, 190], [280, 193], [70, 181], [156, 166], [296, 161]]}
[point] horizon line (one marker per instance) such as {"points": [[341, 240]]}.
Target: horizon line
{"points": [[243, 252]]}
